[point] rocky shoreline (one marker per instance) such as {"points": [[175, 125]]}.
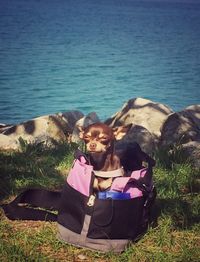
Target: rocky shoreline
{"points": [[154, 125]]}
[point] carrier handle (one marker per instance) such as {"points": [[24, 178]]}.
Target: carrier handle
{"points": [[24, 206]]}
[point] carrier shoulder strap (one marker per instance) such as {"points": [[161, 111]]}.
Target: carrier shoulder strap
{"points": [[33, 204]]}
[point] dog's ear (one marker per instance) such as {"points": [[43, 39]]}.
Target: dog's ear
{"points": [[81, 131], [120, 132]]}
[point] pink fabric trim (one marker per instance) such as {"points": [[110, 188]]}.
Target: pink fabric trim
{"points": [[80, 176], [120, 184]]}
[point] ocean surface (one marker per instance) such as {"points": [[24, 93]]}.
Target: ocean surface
{"points": [[89, 55]]}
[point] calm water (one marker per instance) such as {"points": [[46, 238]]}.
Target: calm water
{"points": [[95, 55]]}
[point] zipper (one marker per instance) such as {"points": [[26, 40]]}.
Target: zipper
{"points": [[91, 200]]}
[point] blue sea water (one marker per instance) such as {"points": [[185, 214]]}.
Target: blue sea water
{"points": [[92, 55]]}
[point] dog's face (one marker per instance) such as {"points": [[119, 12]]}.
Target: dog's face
{"points": [[99, 137]]}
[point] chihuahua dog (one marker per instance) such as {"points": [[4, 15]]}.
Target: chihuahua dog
{"points": [[99, 140], [107, 162]]}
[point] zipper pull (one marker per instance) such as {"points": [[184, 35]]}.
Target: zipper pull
{"points": [[91, 200]]}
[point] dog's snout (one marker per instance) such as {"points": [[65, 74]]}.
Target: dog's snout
{"points": [[93, 146]]}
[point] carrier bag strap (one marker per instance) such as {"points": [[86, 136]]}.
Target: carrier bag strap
{"points": [[33, 204]]}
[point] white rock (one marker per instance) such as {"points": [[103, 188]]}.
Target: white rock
{"points": [[142, 112]]}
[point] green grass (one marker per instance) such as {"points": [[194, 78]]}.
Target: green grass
{"points": [[34, 166], [173, 236]]}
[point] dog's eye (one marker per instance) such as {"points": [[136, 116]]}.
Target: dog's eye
{"points": [[87, 137], [104, 141]]}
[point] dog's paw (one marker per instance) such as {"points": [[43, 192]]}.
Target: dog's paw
{"points": [[105, 184]]}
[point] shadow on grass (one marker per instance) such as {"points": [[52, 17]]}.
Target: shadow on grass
{"points": [[185, 213], [34, 166]]}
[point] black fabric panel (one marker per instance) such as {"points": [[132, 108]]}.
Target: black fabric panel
{"points": [[130, 155], [72, 209], [116, 219]]}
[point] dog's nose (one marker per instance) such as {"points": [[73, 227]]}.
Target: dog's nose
{"points": [[93, 146]]}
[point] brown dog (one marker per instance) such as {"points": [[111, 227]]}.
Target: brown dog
{"points": [[107, 162], [99, 139]]}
